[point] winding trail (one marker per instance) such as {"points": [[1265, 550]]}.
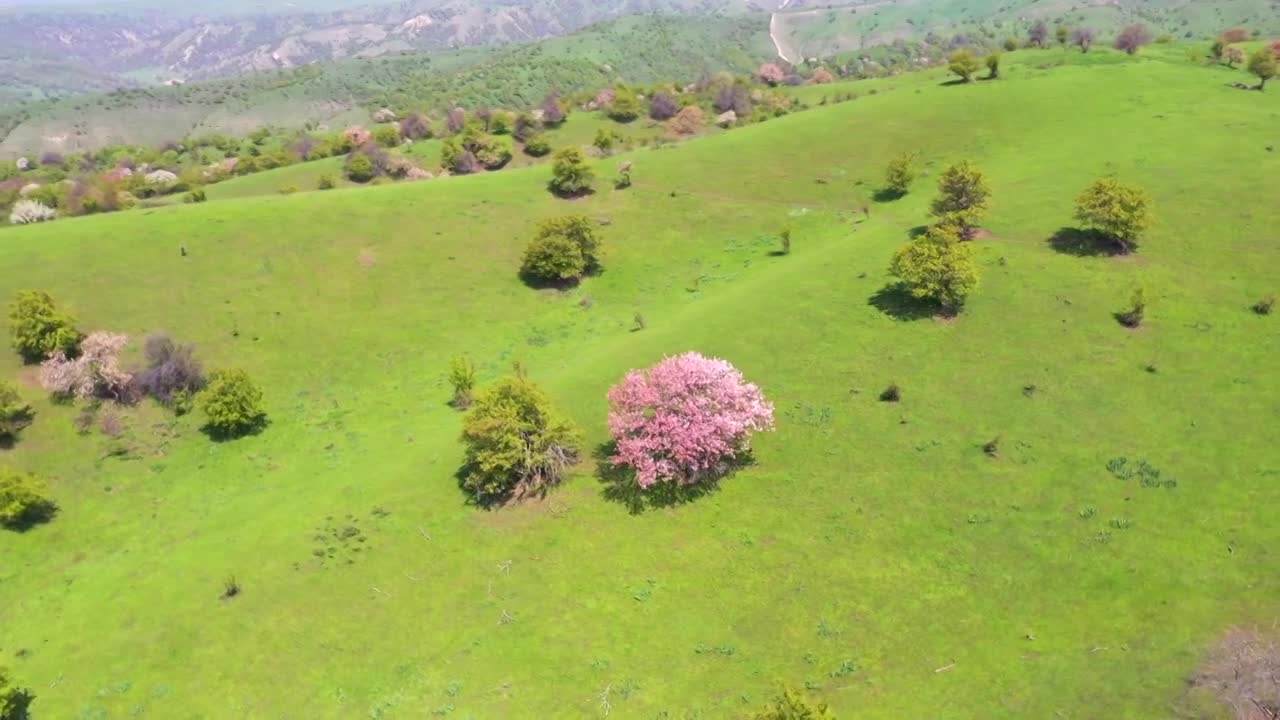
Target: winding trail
{"points": [[773, 22]]}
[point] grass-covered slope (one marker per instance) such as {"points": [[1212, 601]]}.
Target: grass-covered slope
{"points": [[871, 545]]}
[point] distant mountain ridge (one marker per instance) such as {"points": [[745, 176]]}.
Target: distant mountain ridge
{"points": [[151, 46]]}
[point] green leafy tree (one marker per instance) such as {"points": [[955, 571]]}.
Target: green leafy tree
{"points": [[516, 442], [537, 147], [232, 405], [387, 135], [963, 63], [563, 250], [938, 266], [360, 168], [14, 700], [793, 705], [1062, 33], [900, 174], [963, 196], [625, 106], [993, 66], [462, 376], [605, 140], [1263, 65], [327, 181], [39, 329], [14, 413], [570, 173], [1118, 211], [23, 502]]}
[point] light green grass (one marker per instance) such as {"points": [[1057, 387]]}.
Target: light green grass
{"points": [[871, 537]]}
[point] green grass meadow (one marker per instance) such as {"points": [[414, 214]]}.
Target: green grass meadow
{"points": [[872, 553]]}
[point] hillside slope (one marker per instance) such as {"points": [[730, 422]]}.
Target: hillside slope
{"points": [[638, 49], [872, 553]]}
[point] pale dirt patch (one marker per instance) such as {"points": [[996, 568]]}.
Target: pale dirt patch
{"points": [[367, 259]]}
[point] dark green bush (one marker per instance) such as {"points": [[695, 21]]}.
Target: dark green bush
{"points": [[14, 413], [22, 500], [516, 443], [793, 705], [232, 405], [563, 250], [39, 329], [570, 173], [537, 147]]}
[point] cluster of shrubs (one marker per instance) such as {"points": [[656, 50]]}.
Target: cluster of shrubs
{"points": [[88, 367], [939, 265], [685, 421]]}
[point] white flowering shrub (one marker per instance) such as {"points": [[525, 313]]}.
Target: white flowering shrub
{"points": [[26, 212]]}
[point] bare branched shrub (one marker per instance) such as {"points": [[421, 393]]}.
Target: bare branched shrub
{"points": [[1243, 671], [173, 375]]}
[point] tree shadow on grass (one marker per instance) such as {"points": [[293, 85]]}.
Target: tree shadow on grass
{"points": [[35, 515], [221, 436], [620, 485], [957, 81], [897, 302], [1083, 243], [887, 195]]}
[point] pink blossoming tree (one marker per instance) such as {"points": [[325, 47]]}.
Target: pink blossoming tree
{"points": [[685, 419]]}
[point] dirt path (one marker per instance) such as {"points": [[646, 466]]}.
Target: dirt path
{"points": [[773, 24]]}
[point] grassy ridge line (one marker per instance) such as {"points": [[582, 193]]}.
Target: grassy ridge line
{"points": [[884, 557]]}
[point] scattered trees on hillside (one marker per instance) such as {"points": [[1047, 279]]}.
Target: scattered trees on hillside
{"points": [[563, 250], [963, 196], [1133, 38], [38, 328], [516, 442], [1263, 66], [570, 174], [387, 136], [963, 63], [687, 419], [1116, 211], [232, 405], [793, 705], [1082, 37], [900, 174], [94, 373], [23, 503], [15, 414], [938, 266]]}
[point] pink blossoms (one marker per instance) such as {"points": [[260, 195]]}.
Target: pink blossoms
{"points": [[684, 419]]}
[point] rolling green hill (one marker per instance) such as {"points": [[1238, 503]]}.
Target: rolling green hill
{"points": [[873, 553]]}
